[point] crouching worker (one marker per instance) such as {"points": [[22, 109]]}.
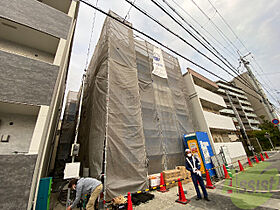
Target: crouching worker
{"points": [[193, 165], [89, 186]]}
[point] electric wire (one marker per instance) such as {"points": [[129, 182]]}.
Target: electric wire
{"points": [[91, 35], [174, 10], [156, 41], [240, 78], [215, 26], [230, 28], [224, 48], [129, 11]]}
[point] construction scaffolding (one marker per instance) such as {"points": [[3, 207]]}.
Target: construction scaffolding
{"points": [[134, 111]]}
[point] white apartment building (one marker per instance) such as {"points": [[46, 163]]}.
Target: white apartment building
{"points": [[206, 106], [35, 44], [236, 98]]}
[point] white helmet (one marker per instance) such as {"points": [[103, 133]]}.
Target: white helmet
{"points": [[187, 150]]}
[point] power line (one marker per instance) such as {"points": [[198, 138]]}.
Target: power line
{"points": [[230, 28], [91, 35], [224, 48], [129, 10], [173, 9], [240, 78], [156, 41], [216, 27]]}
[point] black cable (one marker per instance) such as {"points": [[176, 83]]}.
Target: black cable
{"points": [[241, 79], [224, 48], [154, 40], [231, 66]]}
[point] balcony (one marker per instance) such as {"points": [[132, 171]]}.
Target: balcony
{"points": [[254, 121], [36, 15], [227, 111], [222, 91], [218, 121], [211, 97], [245, 102], [251, 115], [35, 80], [62, 5], [229, 87], [247, 108], [255, 128]]}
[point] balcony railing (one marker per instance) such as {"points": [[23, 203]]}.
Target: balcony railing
{"points": [[210, 96], [253, 121], [218, 121]]}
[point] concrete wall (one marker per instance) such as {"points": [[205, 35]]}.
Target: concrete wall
{"points": [[210, 96], [26, 80], [16, 176], [12, 47], [20, 128], [236, 151], [219, 121], [36, 15], [199, 121]]}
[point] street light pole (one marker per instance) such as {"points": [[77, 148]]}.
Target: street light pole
{"points": [[267, 135]]}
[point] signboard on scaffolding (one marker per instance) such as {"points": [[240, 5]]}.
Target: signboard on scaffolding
{"points": [[72, 170], [158, 63]]}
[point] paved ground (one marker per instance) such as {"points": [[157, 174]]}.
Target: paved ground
{"points": [[220, 199]]}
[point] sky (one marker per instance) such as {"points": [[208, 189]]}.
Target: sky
{"points": [[255, 22]]}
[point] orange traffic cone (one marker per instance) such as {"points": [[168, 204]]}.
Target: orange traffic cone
{"points": [[250, 163], [208, 181], [240, 166], [230, 191], [262, 159], [266, 155], [226, 172], [162, 185], [256, 158], [129, 202], [182, 198]]}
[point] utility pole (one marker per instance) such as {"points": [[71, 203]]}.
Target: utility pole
{"points": [[242, 127], [267, 135], [268, 108]]}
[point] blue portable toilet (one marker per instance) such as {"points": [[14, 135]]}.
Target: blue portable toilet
{"points": [[44, 194], [205, 150]]}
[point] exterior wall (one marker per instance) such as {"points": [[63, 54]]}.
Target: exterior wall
{"points": [[236, 151], [38, 130], [26, 80], [25, 51], [210, 96], [256, 103], [199, 121], [16, 175], [36, 15], [46, 33], [242, 105], [219, 121], [20, 132]]}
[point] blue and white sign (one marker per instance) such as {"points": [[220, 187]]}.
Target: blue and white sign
{"points": [[275, 121], [158, 63]]}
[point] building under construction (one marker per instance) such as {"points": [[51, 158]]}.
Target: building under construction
{"points": [[134, 111]]}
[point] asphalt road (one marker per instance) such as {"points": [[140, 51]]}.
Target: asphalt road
{"points": [[261, 198]]}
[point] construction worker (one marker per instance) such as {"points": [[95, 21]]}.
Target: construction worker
{"points": [[193, 165], [83, 186]]}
